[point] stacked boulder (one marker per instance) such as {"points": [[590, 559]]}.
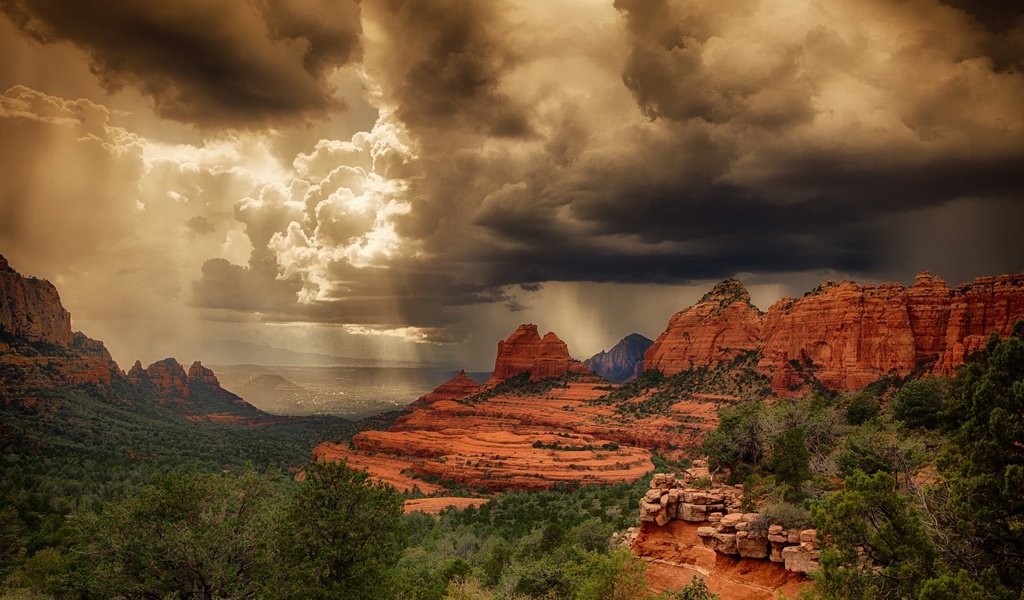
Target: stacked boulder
{"points": [[729, 530], [692, 498]]}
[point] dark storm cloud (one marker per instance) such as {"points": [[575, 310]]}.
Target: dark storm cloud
{"points": [[212, 63], [663, 141], [445, 64], [759, 157]]}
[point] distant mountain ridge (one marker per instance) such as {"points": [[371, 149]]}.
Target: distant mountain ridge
{"points": [[623, 361], [40, 357]]}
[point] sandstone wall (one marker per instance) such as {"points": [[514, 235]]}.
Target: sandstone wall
{"points": [[844, 334], [30, 309]]}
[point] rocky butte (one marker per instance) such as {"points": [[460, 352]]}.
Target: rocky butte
{"points": [[525, 351], [843, 334]]}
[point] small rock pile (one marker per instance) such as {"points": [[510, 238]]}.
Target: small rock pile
{"points": [[670, 498], [750, 536], [730, 531]]}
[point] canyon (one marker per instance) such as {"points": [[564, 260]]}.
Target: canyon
{"points": [[544, 419]]}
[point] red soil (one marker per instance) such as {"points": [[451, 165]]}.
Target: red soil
{"points": [[433, 506], [676, 555]]}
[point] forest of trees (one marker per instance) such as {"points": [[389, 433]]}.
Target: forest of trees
{"points": [[917, 492]]}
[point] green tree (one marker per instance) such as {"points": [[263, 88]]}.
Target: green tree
{"points": [[341, 535], [189, 535], [791, 461], [737, 443], [861, 408], [875, 543], [697, 589], [615, 575], [919, 403], [984, 464]]}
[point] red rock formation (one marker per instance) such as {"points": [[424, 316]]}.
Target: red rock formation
{"points": [[988, 305], [169, 380], [526, 352], [847, 334], [723, 324], [137, 374], [844, 334], [38, 351], [197, 373], [928, 305], [30, 309], [460, 386]]}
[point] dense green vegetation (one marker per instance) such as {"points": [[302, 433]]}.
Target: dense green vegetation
{"points": [[74, 452], [918, 494], [920, 497], [518, 385]]}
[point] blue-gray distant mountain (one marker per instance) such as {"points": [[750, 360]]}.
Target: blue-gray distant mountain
{"points": [[623, 361]]}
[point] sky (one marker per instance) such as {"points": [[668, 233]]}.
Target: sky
{"points": [[410, 179]]}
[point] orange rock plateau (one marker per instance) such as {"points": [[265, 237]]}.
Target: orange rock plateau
{"points": [[516, 433], [542, 419], [844, 334]]}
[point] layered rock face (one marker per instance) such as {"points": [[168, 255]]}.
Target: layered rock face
{"points": [[169, 380], [843, 334], [30, 309], [624, 361], [715, 330], [525, 351], [38, 350], [989, 304], [847, 334]]}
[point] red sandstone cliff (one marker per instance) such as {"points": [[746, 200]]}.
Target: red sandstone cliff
{"points": [[30, 309], [723, 324], [38, 350], [198, 373], [989, 304], [526, 352], [843, 333]]}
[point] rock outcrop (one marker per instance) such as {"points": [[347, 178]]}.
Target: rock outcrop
{"points": [[525, 351], [460, 386], [715, 330], [30, 309], [989, 304], [624, 361], [846, 334], [197, 373], [725, 527], [38, 350], [843, 334], [169, 380]]}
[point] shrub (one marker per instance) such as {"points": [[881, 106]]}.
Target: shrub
{"points": [[861, 408], [788, 515], [920, 403]]}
